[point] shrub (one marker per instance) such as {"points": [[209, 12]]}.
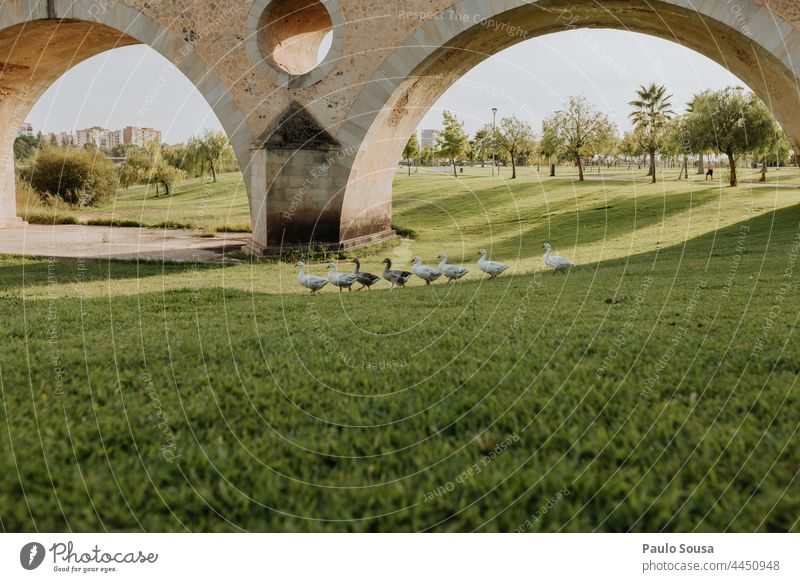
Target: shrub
{"points": [[404, 231], [50, 218], [76, 176], [116, 222]]}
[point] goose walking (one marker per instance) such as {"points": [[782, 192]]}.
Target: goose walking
{"points": [[365, 279], [395, 277], [491, 268], [424, 272], [452, 272], [556, 262], [341, 280], [310, 281]]}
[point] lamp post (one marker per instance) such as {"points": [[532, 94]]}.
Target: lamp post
{"points": [[494, 126]]}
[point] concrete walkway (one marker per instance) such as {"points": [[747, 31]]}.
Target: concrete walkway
{"points": [[105, 242]]}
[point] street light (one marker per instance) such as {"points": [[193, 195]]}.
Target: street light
{"points": [[494, 126]]}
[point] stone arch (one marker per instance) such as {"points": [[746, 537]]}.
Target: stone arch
{"points": [[40, 41], [745, 37]]}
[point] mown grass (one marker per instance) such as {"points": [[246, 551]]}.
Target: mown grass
{"points": [[194, 204], [655, 384]]}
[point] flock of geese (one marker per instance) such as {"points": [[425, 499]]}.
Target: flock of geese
{"points": [[427, 273]]}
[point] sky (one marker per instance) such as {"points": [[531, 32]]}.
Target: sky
{"points": [[530, 80]]}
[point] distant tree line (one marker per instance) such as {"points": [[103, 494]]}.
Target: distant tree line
{"points": [[731, 122]]}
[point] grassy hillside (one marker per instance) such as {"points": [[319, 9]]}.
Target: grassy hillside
{"points": [[196, 203], [652, 388]]}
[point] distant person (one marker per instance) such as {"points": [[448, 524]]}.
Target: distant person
{"points": [[710, 172]]}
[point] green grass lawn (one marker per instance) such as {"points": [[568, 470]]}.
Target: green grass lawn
{"points": [[197, 203], [652, 388]]}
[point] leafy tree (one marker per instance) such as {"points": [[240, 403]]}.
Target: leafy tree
{"points": [[581, 128], [514, 137], [482, 144], [136, 168], [167, 175], [76, 176], [630, 146], [651, 112], [607, 149], [411, 151], [677, 143], [452, 142], [208, 149], [25, 147], [776, 150], [549, 145], [730, 121]]}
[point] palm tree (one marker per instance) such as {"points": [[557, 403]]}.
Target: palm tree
{"points": [[651, 112]]}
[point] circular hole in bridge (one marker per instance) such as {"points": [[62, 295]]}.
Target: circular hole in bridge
{"points": [[295, 35]]}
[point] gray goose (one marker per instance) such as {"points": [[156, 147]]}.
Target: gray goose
{"points": [[395, 277], [365, 279]]}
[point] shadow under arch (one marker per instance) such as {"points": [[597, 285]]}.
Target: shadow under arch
{"points": [[748, 39], [40, 41]]}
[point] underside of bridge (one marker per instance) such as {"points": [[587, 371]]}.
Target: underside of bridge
{"points": [[367, 201], [33, 56], [319, 143]]}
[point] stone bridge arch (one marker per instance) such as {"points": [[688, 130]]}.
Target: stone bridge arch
{"points": [[756, 44], [42, 40], [319, 144]]}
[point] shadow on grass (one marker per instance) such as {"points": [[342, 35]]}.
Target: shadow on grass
{"points": [[623, 215], [26, 272]]}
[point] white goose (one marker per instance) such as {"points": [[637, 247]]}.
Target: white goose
{"points": [[556, 262], [424, 272], [491, 268], [452, 272], [341, 280], [310, 281]]}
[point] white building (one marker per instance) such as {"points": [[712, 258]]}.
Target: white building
{"points": [[26, 129], [94, 135], [428, 138], [102, 138]]}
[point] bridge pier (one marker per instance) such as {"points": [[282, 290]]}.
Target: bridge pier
{"points": [[8, 190], [301, 172]]}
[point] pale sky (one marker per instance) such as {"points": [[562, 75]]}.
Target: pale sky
{"points": [[530, 80]]}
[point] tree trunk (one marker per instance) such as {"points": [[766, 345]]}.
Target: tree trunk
{"points": [[763, 170], [652, 171], [685, 169], [552, 168], [513, 166], [580, 167], [700, 166], [732, 160], [213, 171], [409, 166], [455, 173]]}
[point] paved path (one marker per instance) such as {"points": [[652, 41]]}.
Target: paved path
{"points": [[104, 242]]}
